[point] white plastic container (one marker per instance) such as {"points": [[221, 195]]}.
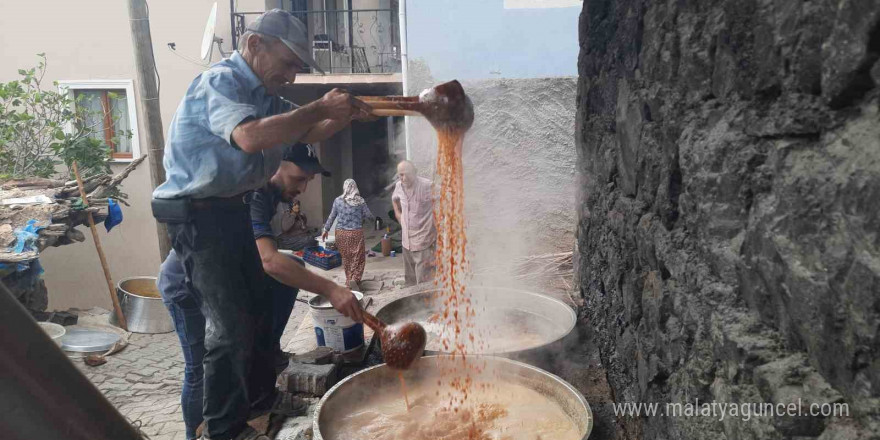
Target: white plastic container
{"points": [[333, 329], [328, 244], [55, 331]]}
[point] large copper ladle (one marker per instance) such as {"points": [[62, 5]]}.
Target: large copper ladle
{"points": [[402, 344], [445, 106]]}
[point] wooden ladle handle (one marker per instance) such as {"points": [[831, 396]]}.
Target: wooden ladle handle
{"points": [[373, 322], [394, 105]]}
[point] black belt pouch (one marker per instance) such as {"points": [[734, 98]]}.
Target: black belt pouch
{"points": [[172, 210]]}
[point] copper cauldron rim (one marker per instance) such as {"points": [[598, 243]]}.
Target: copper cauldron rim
{"points": [[557, 304], [316, 428]]}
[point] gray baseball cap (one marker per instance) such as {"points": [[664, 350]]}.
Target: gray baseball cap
{"points": [[287, 28]]}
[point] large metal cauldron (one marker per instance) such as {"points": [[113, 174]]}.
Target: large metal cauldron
{"points": [[357, 390], [142, 306], [516, 324]]}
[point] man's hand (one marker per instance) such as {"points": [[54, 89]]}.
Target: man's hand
{"points": [[346, 303], [341, 105], [325, 235]]}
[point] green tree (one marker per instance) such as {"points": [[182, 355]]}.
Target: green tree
{"points": [[40, 129]]}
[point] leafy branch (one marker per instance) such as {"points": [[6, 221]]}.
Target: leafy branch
{"points": [[41, 129]]}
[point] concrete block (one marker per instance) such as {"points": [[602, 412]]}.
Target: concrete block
{"points": [[308, 378], [318, 356], [371, 286]]}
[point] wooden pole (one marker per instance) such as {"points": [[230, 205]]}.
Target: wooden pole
{"points": [[148, 90], [82, 192]]}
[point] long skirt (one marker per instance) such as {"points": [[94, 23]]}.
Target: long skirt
{"points": [[351, 246]]}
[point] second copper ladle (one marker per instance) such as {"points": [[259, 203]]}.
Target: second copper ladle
{"points": [[402, 344]]}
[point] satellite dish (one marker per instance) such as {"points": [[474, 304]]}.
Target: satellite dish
{"points": [[209, 38]]}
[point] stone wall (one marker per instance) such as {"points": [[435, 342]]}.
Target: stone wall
{"points": [[729, 224]]}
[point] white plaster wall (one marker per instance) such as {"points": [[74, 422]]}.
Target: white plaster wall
{"points": [[92, 40]]}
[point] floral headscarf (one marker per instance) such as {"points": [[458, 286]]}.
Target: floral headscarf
{"points": [[350, 193]]}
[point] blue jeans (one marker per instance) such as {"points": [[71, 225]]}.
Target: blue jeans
{"points": [[189, 324]]}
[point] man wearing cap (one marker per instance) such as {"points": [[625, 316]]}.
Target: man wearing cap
{"points": [[287, 275], [226, 139]]}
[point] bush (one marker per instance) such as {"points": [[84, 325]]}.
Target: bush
{"points": [[41, 129]]}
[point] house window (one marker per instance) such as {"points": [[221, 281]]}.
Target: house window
{"points": [[110, 112]]}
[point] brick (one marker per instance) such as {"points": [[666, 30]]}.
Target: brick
{"points": [[153, 428], [318, 356], [170, 429], [308, 378], [146, 386], [163, 418], [146, 371]]}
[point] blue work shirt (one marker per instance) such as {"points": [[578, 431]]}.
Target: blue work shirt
{"points": [[201, 160]]}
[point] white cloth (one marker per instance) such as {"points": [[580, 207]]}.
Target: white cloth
{"points": [[417, 214], [351, 194]]}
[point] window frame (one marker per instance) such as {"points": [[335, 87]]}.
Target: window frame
{"points": [[69, 86]]}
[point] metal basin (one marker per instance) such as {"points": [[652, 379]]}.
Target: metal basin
{"points": [[510, 323], [358, 391], [142, 306]]}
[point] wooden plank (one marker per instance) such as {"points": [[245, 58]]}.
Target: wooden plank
{"points": [[115, 299]]}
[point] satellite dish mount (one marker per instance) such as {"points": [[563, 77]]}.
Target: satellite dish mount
{"points": [[209, 39]]}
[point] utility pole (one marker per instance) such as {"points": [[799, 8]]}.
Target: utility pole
{"points": [[148, 90], [404, 71]]}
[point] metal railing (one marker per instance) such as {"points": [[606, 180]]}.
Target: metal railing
{"points": [[347, 41]]}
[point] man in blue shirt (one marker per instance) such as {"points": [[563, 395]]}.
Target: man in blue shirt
{"points": [[286, 275], [226, 139]]}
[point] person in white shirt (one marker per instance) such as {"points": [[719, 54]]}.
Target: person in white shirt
{"points": [[413, 203]]}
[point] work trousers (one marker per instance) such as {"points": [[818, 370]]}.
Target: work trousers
{"points": [[225, 273], [418, 266]]}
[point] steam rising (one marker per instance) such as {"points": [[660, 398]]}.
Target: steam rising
{"points": [[519, 171]]}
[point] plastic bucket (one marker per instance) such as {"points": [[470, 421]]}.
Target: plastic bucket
{"points": [[333, 329]]}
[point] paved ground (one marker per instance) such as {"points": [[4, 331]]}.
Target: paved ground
{"points": [[144, 381]]}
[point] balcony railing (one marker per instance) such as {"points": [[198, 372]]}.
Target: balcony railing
{"points": [[344, 41]]}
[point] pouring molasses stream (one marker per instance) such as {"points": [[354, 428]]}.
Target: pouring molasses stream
{"points": [[447, 108]]}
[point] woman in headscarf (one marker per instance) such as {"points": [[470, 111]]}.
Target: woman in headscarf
{"points": [[295, 231], [351, 211]]}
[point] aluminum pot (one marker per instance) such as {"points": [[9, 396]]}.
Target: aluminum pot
{"points": [[358, 388], [142, 306], [507, 317]]}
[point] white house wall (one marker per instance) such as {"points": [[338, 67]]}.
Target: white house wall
{"points": [[92, 40]]}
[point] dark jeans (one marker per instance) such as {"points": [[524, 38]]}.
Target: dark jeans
{"points": [[224, 273], [189, 324]]}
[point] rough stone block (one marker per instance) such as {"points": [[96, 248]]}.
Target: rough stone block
{"points": [[371, 286], [64, 318], [318, 356], [308, 378]]}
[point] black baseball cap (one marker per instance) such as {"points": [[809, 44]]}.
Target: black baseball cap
{"points": [[304, 156]]}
